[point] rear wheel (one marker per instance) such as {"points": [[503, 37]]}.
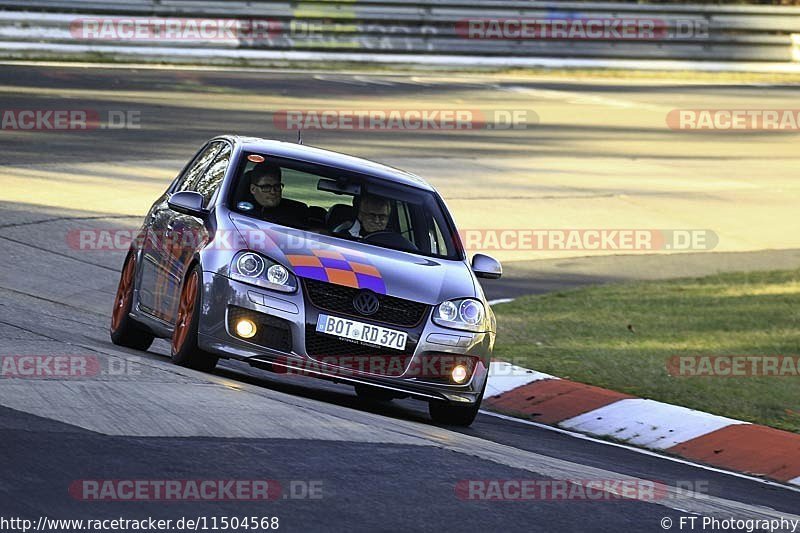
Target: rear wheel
{"points": [[185, 351], [124, 330]]}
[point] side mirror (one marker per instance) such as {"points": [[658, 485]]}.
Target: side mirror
{"points": [[487, 267], [188, 203]]}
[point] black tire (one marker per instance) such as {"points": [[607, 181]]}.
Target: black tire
{"points": [[449, 414], [185, 351], [124, 330], [374, 394], [453, 415]]}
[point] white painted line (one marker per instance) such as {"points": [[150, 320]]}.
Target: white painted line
{"points": [[504, 377], [372, 81], [648, 423], [576, 98], [165, 52], [410, 73], [500, 301], [341, 79], [642, 451], [120, 65]]}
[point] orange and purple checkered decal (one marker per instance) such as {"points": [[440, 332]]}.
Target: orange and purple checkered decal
{"points": [[346, 267], [316, 260]]}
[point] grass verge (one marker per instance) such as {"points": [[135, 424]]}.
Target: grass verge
{"points": [[621, 337]]}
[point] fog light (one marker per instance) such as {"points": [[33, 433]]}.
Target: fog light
{"points": [[246, 328], [460, 374]]}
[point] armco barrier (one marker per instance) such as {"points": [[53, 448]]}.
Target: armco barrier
{"points": [[428, 27]]}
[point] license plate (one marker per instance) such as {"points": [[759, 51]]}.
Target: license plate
{"points": [[361, 332]]}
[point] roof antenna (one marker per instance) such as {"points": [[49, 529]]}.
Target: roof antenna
{"points": [[300, 136]]}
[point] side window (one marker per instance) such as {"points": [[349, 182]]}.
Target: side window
{"points": [[404, 221], [197, 167], [438, 244], [208, 184]]}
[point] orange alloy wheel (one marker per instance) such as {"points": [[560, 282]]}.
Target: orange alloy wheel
{"points": [[124, 294], [185, 312]]}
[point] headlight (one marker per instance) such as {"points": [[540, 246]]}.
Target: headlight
{"points": [[448, 311], [250, 267], [278, 274], [467, 314]]}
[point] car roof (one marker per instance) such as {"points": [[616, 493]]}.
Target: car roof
{"points": [[309, 154]]}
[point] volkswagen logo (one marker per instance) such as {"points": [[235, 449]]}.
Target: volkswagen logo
{"points": [[366, 303]]}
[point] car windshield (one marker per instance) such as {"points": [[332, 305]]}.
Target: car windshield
{"points": [[336, 203]]}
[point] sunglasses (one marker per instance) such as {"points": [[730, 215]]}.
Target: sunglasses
{"points": [[274, 187]]}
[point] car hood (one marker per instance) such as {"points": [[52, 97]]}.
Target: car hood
{"points": [[354, 264]]}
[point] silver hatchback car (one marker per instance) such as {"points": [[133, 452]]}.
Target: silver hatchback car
{"points": [[305, 261]]}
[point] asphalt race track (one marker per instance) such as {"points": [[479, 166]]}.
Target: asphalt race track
{"points": [[343, 464]]}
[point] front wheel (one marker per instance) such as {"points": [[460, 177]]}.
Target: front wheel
{"points": [[453, 415], [185, 351], [449, 414], [124, 331], [374, 394]]}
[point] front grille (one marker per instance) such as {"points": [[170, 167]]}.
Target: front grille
{"points": [[377, 360], [272, 332], [339, 299]]}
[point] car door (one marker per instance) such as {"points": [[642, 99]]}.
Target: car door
{"points": [[187, 234], [159, 282]]}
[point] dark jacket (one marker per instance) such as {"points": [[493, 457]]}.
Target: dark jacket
{"points": [[287, 213]]}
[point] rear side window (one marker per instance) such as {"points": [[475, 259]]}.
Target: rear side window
{"points": [[208, 184], [187, 181]]}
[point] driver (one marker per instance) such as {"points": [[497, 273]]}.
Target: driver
{"points": [[372, 216]]}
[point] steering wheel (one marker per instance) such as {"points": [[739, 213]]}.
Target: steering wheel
{"points": [[390, 239]]}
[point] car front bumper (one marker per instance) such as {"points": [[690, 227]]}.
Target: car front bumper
{"points": [[294, 312]]}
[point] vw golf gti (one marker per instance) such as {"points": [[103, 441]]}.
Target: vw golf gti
{"points": [[301, 260]]}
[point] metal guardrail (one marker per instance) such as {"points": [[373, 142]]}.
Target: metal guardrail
{"points": [[430, 27]]}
